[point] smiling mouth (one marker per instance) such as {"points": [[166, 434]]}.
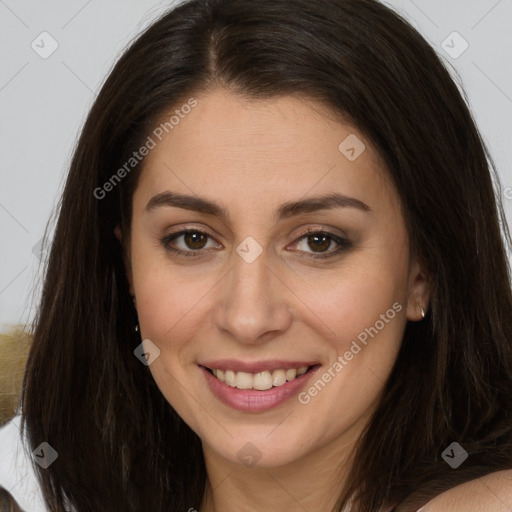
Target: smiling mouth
{"points": [[260, 381]]}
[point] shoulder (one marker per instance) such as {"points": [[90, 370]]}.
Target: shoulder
{"points": [[17, 475], [490, 493]]}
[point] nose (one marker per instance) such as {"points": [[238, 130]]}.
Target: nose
{"points": [[253, 307]]}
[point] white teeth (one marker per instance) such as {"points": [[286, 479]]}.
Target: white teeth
{"points": [[244, 380], [260, 381], [278, 377], [302, 370], [229, 378], [290, 374]]}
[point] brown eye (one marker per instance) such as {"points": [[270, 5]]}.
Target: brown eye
{"points": [[319, 243], [195, 239], [189, 242], [316, 244]]}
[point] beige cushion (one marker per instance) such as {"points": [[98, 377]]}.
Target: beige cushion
{"points": [[14, 346]]}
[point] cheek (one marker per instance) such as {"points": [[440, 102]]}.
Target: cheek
{"points": [[168, 307], [343, 307], [361, 320], [167, 302]]}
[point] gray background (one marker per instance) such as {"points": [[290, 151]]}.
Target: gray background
{"points": [[44, 102]]}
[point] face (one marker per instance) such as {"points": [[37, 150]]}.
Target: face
{"points": [[267, 242]]}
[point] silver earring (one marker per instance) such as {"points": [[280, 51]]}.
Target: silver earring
{"points": [[134, 303], [422, 312]]}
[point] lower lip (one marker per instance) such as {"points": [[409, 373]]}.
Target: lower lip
{"points": [[252, 400]]}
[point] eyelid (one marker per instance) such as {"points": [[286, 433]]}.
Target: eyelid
{"points": [[341, 240], [181, 232], [320, 229]]}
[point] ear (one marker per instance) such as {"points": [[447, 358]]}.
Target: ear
{"points": [[419, 291], [127, 261]]}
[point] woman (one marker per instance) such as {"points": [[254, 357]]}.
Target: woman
{"points": [[277, 281]]}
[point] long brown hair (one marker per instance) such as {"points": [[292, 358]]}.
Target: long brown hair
{"points": [[121, 446]]}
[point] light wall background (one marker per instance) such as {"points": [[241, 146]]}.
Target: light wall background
{"points": [[44, 102]]}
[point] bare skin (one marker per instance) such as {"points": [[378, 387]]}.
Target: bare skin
{"points": [[491, 493], [250, 157]]}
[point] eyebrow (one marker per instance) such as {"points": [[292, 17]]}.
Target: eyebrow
{"points": [[286, 210]]}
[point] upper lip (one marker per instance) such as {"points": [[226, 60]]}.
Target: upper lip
{"points": [[254, 366]]}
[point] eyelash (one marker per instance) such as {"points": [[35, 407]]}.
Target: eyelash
{"points": [[343, 243]]}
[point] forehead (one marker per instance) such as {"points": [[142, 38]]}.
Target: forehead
{"points": [[258, 151]]}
